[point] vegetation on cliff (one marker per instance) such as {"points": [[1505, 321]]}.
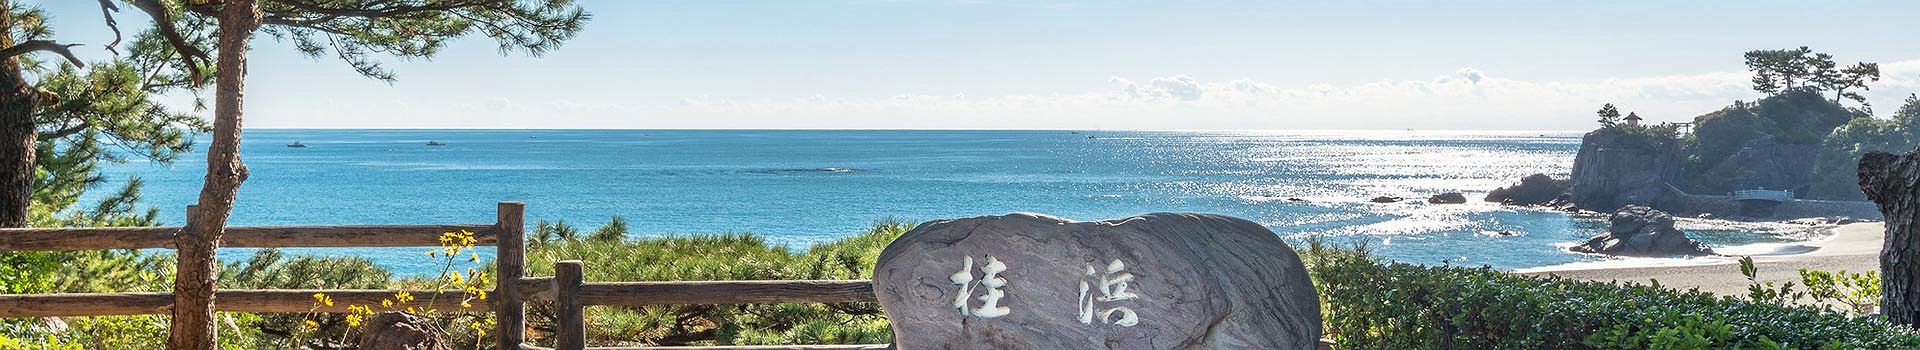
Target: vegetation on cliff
{"points": [[1839, 156], [1801, 137]]}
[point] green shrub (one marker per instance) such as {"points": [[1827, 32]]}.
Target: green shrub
{"points": [[721, 257], [273, 269], [1374, 305], [1834, 166]]}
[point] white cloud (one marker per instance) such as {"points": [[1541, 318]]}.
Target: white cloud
{"points": [[1466, 99]]}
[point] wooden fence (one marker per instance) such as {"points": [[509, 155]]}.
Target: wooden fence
{"points": [[512, 289]]}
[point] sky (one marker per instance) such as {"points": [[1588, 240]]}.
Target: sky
{"points": [[1109, 64]]}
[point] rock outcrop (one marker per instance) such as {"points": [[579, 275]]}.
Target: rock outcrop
{"points": [[1640, 231], [1447, 198], [1761, 163], [1157, 281], [1615, 169], [1536, 189], [1893, 182], [393, 330], [1385, 199]]}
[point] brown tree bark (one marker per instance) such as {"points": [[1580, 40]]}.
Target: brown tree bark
{"points": [[1893, 182], [18, 100], [194, 279]]}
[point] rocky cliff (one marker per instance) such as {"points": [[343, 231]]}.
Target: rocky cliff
{"points": [[1769, 144], [1762, 163], [1617, 167]]}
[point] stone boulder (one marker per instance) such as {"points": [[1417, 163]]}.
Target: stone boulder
{"points": [[393, 330], [1536, 189], [1447, 198], [1157, 281], [1643, 232]]}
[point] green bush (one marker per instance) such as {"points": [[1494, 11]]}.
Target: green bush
{"points": [[1834, 167], [1373, 305], [719, 257]]}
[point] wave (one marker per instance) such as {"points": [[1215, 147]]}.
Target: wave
{"points": [[805, 171]]}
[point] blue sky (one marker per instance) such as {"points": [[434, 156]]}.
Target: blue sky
{"points": [[1084, 65]]}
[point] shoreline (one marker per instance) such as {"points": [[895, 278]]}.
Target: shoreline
{"points": [[1852, 247]]}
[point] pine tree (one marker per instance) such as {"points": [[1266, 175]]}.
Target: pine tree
{"points": [[1609, 116], [351, 30]]}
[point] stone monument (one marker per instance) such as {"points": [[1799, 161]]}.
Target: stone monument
{"points": [[1157, 281]]}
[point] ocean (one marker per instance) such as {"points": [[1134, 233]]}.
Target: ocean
{"points": [[801, 187]]}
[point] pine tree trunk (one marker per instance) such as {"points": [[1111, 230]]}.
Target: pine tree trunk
{"points": [[18, 100], [194, 279], [1892, 182]]}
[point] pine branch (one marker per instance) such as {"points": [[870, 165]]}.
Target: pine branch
{"points": [[163, 23], [107, 8], [69, 131], [43, 45]]}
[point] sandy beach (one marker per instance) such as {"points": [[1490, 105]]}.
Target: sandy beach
{"points": [[1853, 247]]}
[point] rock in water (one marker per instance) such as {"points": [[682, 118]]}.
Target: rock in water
{"points": [[1447, 198], [1893, 182], [1643, 232], [1158, 281], [1385, 199], [1536, 189], [401, 331]]}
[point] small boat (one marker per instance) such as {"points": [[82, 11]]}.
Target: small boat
{"points": [[296, 144], [435, 143]]}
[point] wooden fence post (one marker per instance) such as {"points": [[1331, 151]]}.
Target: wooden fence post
{"points": [[567, 310], [509, 266]]}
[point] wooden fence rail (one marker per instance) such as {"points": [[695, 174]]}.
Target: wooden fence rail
{"points": [[573, 294], [507, 300], [103, 238], [236, 300]]}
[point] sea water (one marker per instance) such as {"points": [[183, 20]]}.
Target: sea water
{"points": [[801, 187]]}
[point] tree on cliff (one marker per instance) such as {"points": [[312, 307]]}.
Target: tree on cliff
{"points": [[1779, 70], [351, 30], [65, 109], [1609, 116], [1856, 76], [1776, 71]]}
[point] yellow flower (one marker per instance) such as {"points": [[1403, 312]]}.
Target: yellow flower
{"points": [[353, 320], [322, 298], [464, 303], [403, 296], [475, 258], [310, 323], [386, 303]]}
